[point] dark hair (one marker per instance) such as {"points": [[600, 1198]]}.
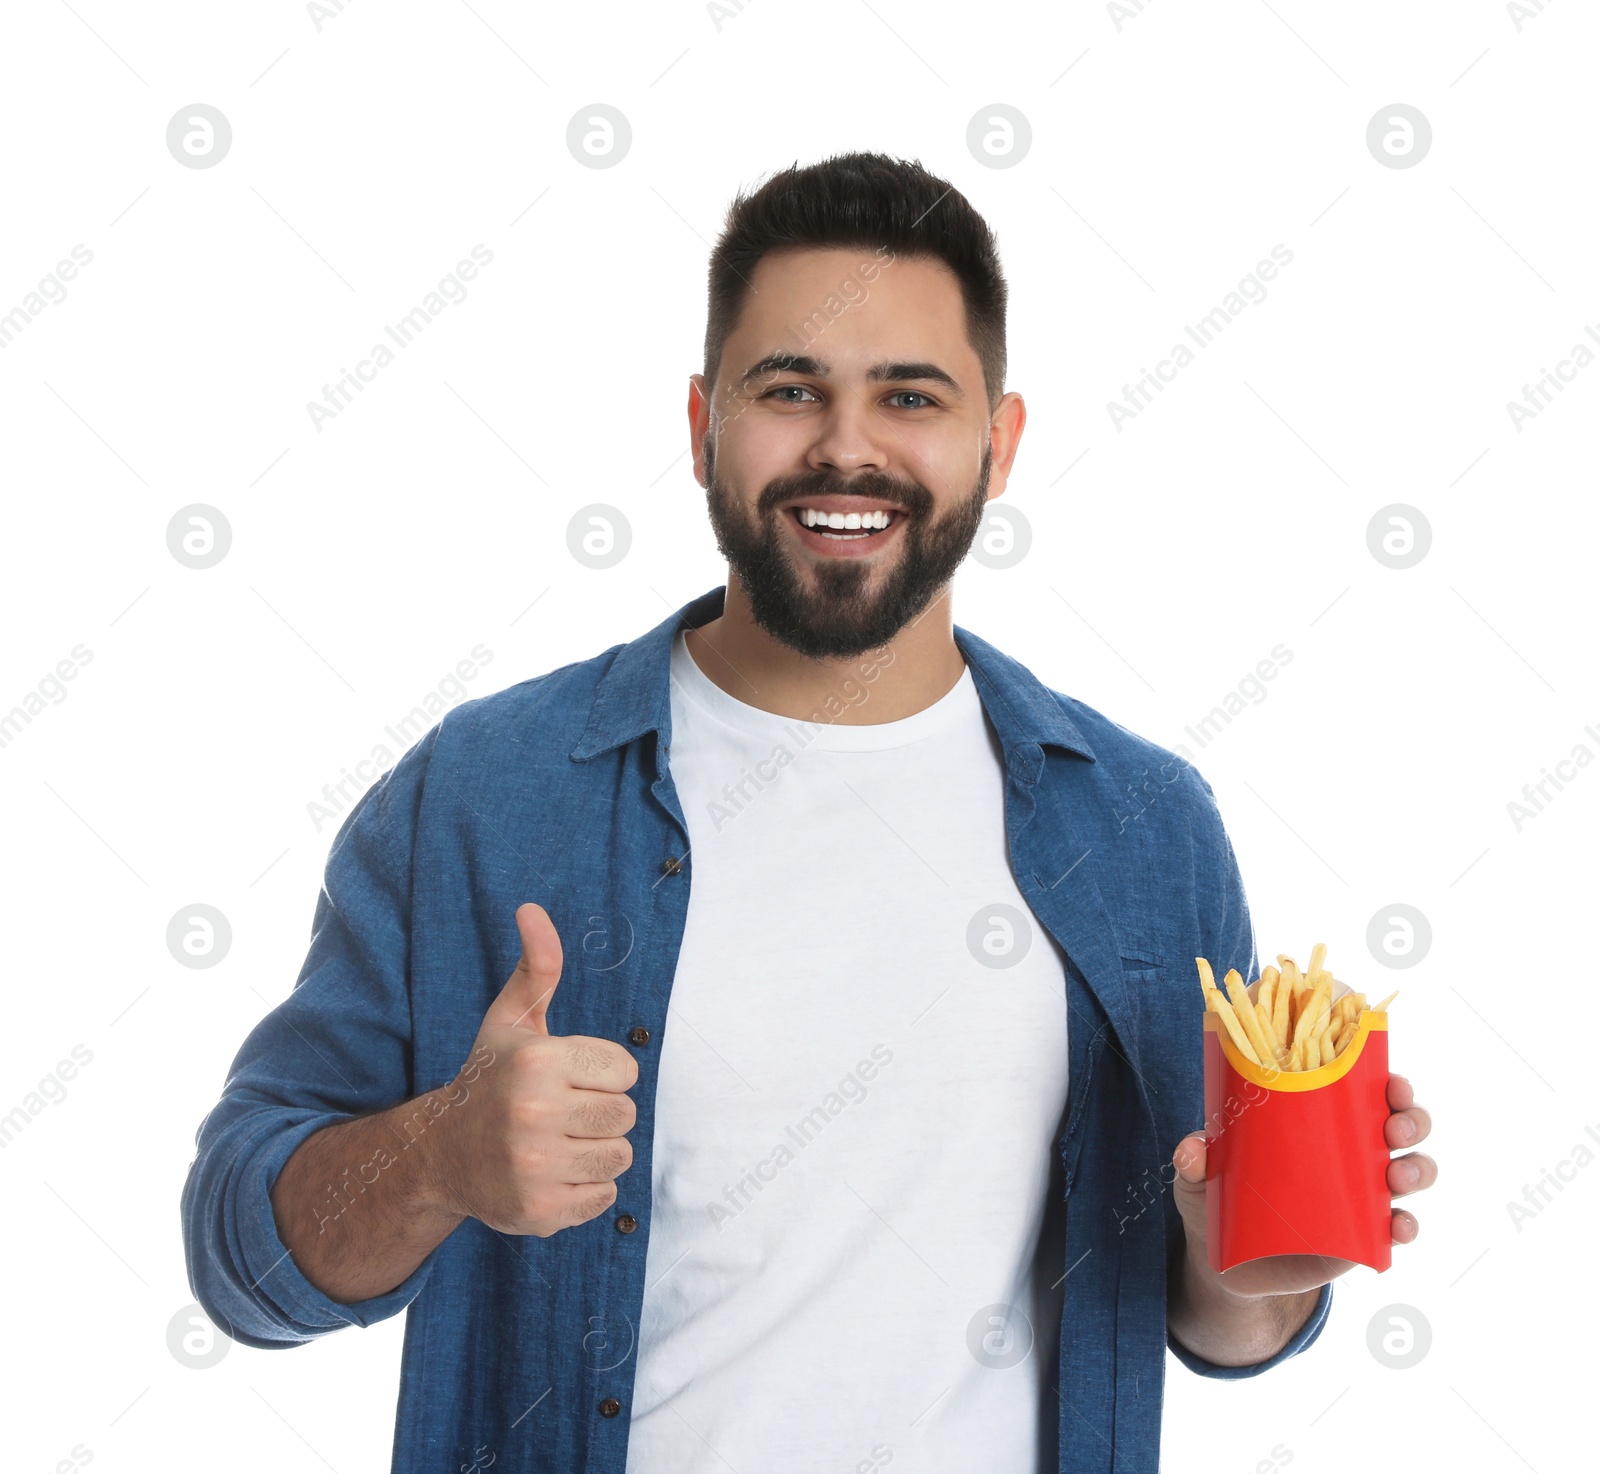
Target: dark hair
{"points": [[871, 200]]}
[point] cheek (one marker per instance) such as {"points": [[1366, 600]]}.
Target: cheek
{"points": [[948, 459], [748, 441]]}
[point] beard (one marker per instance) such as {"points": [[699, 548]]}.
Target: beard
{"points": [[842, 607]]}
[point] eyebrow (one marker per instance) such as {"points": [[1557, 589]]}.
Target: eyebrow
{"points": [[879, 373]]}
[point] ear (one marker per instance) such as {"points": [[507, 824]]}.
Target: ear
{"points": [[1005, 431], [699, 422]]}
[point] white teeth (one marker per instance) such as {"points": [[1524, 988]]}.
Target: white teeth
{"points": [[839, 521]]}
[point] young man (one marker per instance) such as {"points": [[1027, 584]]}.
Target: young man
{"points": [[819, 1112]]}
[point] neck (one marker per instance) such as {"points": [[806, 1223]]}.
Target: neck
{"points": [[922, 664]]}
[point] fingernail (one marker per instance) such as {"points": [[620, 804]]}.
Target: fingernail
{"points": [[1408, 1128]]}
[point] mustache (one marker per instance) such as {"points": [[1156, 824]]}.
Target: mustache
{"points": [[907, 495]]}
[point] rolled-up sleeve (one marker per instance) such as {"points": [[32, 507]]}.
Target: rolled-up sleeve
{"points": [[1228, 938], [338, 1046], [1295, 1344]]}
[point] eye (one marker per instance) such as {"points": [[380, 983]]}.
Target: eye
{"points": [[915, 394], [784, 389]]}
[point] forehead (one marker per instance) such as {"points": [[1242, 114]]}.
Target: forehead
{"points": [[851, 305]]}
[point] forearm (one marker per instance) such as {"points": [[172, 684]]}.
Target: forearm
{"points": [[1227, 1329], [359, 1205]]}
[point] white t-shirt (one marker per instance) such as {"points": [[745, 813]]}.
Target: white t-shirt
{"points": [[856, 1220]]}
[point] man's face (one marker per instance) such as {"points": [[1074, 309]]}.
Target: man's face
{"points": [[839, 394]]}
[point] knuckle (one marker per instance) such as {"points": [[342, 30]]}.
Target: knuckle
{"points": [[604, 1160], [536, 1214], [533, 1115], [527, 1063], [591, 1204], [534, 1166], [596, 1115], [583, 1115], [588, 1056]]}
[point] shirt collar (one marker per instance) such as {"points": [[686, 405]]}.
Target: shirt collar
{"points": [[634, 693]]}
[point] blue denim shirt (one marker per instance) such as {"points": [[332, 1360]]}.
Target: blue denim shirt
{"points": [[558, 790]]}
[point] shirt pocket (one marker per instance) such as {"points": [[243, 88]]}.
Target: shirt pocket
{"points": [[1152, 981], [1144, 953]]}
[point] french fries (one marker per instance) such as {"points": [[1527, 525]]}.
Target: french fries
{"points": [[1286, 1019]]}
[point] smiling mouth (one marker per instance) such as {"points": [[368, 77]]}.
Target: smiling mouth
{"points": [[845, 526]]}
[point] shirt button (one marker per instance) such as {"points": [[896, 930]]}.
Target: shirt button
{"points": [[639, 1035], [671, 865], [610, 1407], [627, 1223]]}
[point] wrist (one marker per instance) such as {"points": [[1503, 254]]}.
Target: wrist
{"points": [[422, 1130], [1229, 1328], [1205, 1286]]}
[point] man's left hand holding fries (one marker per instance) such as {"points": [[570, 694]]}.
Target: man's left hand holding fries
{"points": [[1238, 1316]]}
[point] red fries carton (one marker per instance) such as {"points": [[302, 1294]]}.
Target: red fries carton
{"points": [[1296, 1161]]}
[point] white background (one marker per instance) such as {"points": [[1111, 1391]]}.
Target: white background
{"points": [[1168, 156]]}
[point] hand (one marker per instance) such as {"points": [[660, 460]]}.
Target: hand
{"points": [[1288, 1274], [540, 1136]]}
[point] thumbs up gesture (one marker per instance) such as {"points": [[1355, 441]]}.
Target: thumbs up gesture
{"points": [[542, 1133]]}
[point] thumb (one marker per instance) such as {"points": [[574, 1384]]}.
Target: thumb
{"points": [[1190, 1158], [524, 1000]]}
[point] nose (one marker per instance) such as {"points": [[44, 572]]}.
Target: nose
{"points": [[851, 437]]}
